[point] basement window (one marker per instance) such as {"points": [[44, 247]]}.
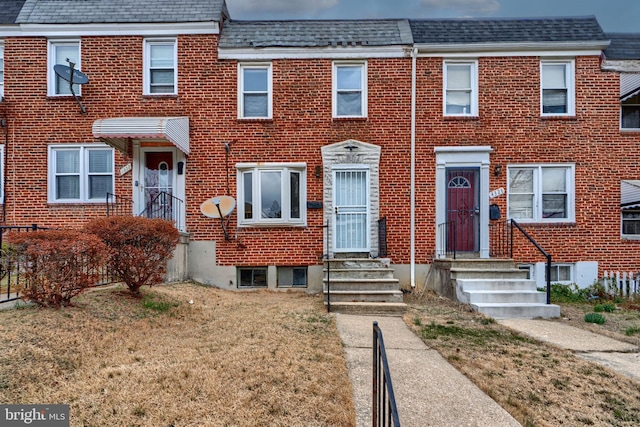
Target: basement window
{"points": [[292, 277], [252, 277]]}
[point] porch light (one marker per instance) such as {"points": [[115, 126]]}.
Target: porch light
{"points": [[497, 169]]}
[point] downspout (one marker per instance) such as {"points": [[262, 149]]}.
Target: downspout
{"points": [[412, 227]]}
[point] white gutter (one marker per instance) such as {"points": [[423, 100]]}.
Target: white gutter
{"points": [[412, 227]]}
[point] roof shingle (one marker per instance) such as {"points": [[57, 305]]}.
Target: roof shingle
{"points": [[9, 10], [623, 46], [506, 30]]}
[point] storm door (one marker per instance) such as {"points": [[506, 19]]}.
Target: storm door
{"points": [[463, 210], [157, 185], [351, 208]]}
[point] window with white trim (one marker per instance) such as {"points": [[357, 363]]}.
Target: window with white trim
{"points": [[561, 273], [160, 67], [557, 91], [460, 88], [254, 91], [1, 70], [349, 89], [80, 173], [630, 113], [541, 193], [631, 222], [63, 52], [271, 194]]}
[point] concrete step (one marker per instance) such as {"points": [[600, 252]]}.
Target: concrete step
{"points": [[369, 308], [474, 273], [528, 297], [497, 284], [363, 284], [484, 264], [364, 296], [361, 273], [358, 263], [517, 310]]}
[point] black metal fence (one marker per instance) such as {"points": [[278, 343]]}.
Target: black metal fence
{"points": [[382, 237], [447, 237], [161, 205], [384, 411], [13, 270]]}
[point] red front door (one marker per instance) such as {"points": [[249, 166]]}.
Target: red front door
{"points": [[462, 210]]}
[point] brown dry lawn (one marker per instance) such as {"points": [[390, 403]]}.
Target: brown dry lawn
{"points": [[537, 384], [227, 359]]}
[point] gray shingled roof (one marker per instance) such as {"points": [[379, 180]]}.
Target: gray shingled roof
{"points": [[623, 46], [315, 33], [506, 30], [120, 11], [9, 10]]}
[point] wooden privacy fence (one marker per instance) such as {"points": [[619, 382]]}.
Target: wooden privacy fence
{"points": [[624, 284]]}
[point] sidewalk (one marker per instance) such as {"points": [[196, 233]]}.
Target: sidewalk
{"points": [[429, 391], [621, 357]]}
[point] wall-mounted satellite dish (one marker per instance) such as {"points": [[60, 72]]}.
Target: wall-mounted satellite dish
{"points": [[219, 207], [73, 76]]}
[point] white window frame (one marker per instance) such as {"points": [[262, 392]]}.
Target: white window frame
{"points": [[83, 171], [537, 192], [363, 91], [557, 267], [473, 65], [146, 79], [52, 77], [622, 220], [570, 87], [241, 91], [1, 71], [285, 168]]}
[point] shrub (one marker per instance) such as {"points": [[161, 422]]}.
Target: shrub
{"points": [[594, 318], [608, 307], [139, 248], [57, 264]]}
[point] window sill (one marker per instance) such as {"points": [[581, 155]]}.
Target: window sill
{"points": [[629, 130], [255, 120], [160, 96], [461, 118], [272, 225], [68, 97], [631, 238], [350, 119], [572, 118]]}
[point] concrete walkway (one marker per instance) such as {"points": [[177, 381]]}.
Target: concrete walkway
{"points": [[429, 391], [618, 356]]}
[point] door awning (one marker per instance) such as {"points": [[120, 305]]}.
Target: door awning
{"points": [[118, 131], [630, 194], [629, 85]]}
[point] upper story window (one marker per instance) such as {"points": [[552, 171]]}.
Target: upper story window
{"points": [[557, 88], [349, 89], [63, 52], [630, 113], [272, 194], [160, 67], [80, 173], [1, 71], [254, 91], [460, 88], [541, 193]]}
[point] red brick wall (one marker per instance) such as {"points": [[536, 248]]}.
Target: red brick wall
{"points": [[509, 121]]}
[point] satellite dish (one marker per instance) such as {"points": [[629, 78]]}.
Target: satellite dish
{"points": [[71, 74], [218, 207]]}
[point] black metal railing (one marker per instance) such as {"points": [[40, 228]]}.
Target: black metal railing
{"points": [[384, 410], [500, 239], [13, 268], [448, 238], [162, 205], [118, 206], [514, 224], [382, 237]]}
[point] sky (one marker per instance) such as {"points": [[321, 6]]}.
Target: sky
{"points": [[621, 16]]}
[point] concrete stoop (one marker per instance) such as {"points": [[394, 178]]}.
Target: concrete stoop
{"points": [[362, 286], [500, 290]]}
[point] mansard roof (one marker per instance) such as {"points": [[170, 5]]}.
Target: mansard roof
{"points": [[120, 11], [623, 46], [315, 33], [506, 30], [9, 10]]}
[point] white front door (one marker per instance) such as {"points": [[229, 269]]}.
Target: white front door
{"points": [[351, 210]]}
